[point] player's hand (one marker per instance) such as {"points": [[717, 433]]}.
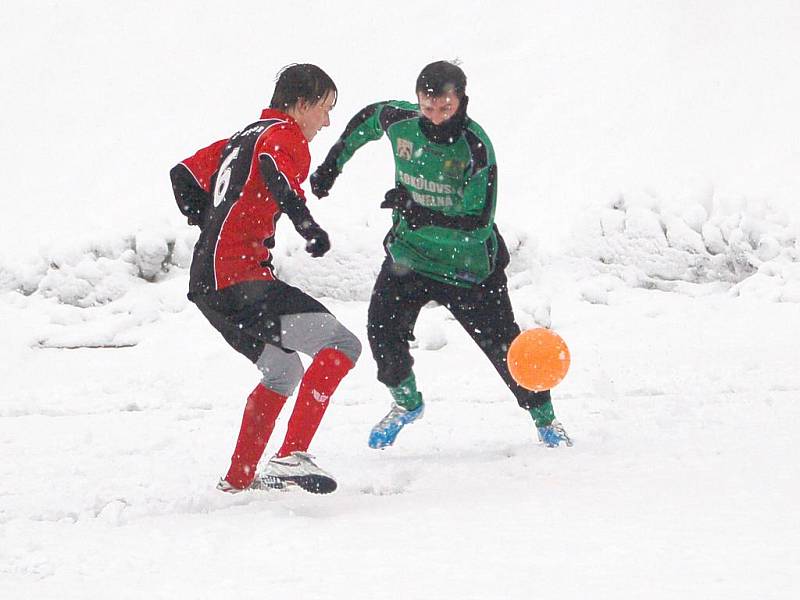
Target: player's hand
{"points": [[397, 198], [415, 215], [322, 180], [317, 241]]}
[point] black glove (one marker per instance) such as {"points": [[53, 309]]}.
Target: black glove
{"points": [[322, 179], [399, 198], [317, 241]]}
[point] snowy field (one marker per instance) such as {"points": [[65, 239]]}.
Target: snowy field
{"points": [[649, 187]]}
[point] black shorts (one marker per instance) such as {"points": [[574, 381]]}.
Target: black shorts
{"points": [[248, 314]]}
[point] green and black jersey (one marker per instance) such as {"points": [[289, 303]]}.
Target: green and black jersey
{"points": [[456, 179]]}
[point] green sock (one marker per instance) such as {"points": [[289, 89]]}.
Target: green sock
{"points": [[543, 414], [405, 393]]}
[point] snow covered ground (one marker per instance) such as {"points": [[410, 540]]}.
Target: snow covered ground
{"points": [[683, 407], [649, 193]]}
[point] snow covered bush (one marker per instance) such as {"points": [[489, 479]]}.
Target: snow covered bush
{"points": [[95, 272], [749, 246], [746, 248], [346, 272]]}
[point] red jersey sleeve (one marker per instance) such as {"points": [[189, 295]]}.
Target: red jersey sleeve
{"points": [[191, 181], [204, 163]]}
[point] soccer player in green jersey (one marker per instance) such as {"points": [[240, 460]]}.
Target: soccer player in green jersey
{"points": [[443, 244]]}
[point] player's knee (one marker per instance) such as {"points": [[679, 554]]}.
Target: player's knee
{"points": [[321, 331], [347, 343], [281, 372], [293, 375]]}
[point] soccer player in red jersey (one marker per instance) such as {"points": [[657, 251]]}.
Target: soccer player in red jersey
{"points": [[235, 190]]}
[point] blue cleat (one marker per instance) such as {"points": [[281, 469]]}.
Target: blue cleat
{"points": [[385, 432], [552, 435]]}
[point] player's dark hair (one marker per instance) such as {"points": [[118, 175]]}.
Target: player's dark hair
{"points": [[305, 81], [440, 77]]}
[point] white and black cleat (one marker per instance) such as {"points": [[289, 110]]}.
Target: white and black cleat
{"points": [[298, 469]]}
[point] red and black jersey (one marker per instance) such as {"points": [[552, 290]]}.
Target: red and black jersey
{"points": [[235, 190]]}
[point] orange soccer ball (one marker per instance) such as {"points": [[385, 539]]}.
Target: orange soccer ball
{"points": [[538, 359]]}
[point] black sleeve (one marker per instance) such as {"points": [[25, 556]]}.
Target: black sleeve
{"points": [[325, 175], [368, 125], [288, 200], [426, 216], [192, 200]]}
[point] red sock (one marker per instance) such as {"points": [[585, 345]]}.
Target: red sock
{"points": [[319, 382], [263, 406]]}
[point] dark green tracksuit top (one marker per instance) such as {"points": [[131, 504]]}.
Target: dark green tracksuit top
{"points": [[457, 179]]}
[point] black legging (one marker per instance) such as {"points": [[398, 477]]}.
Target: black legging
{"points": [[484, 311]]}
